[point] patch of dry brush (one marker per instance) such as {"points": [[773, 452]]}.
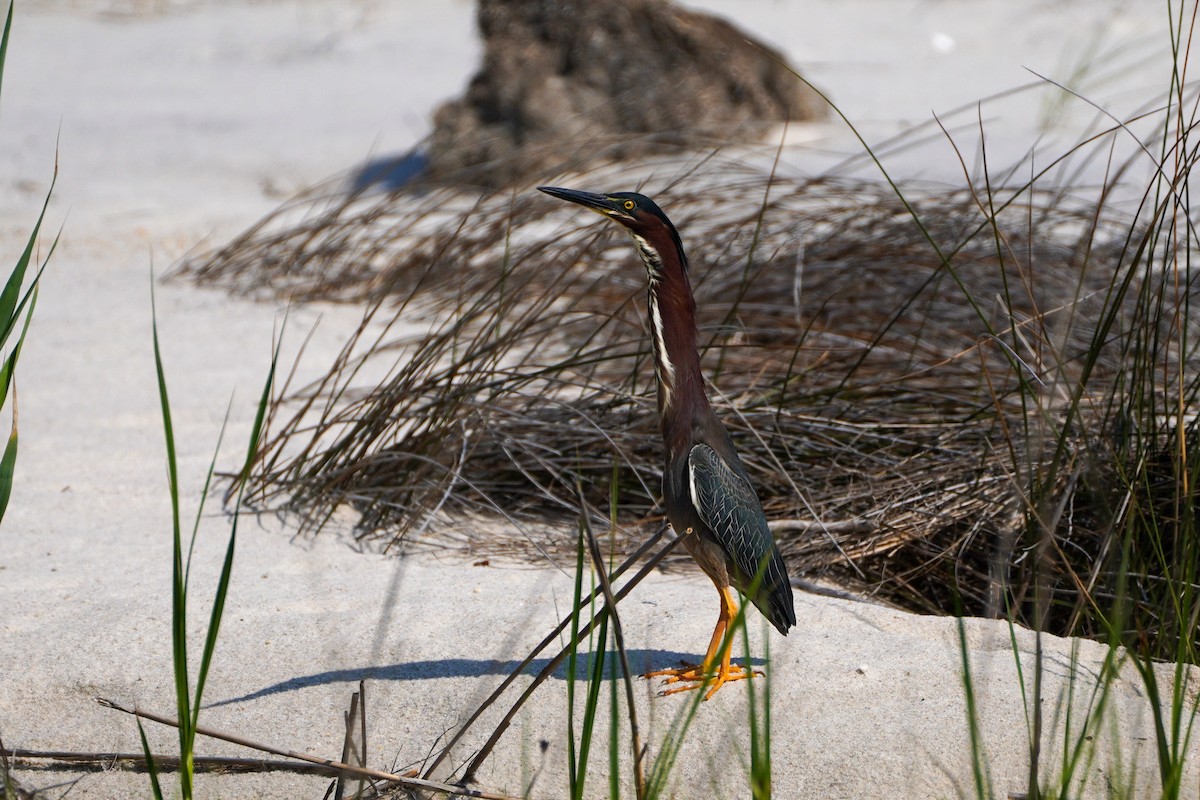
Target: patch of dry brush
{"points": [[947, 384]]}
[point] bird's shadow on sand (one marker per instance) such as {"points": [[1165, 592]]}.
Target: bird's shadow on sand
{"points": [[639, 661]]}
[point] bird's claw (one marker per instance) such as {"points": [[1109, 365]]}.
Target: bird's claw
{"points": [[697, 677]]}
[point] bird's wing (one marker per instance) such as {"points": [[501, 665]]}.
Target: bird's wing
{"points": [[729, 507]]}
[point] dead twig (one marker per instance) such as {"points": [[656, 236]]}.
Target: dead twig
{"points": [[806, 525], [102, 760], [410, 783], [351, 749]]}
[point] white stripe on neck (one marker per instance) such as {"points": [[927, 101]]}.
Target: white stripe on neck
{"points": [[650, 258], [662, 361]]}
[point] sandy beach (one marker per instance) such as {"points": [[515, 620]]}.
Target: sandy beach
{"points": [[178, 125]]}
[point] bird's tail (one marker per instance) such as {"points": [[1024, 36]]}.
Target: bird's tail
{"points": [[774, 594]]}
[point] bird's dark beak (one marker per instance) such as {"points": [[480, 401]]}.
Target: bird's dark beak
{"points": [[599, 203]]}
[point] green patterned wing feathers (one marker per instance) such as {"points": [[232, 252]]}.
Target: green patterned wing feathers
{"points": [[728, 506]]}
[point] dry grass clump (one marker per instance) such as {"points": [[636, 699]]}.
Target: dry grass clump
{"points": [[940, 384]]}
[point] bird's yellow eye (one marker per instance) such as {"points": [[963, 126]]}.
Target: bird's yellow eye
{"points": [[629, 204]]}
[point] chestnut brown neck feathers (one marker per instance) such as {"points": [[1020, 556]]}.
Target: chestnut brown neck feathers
{"points": [[672, 313]]}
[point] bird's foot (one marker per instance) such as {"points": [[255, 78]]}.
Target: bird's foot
{"points": [[696, 677]]}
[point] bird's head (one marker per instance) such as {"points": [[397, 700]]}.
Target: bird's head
{"points": [[634, 211], [654, 234]]}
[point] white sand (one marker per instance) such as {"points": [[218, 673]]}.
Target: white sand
{"points": [[180, 123]]}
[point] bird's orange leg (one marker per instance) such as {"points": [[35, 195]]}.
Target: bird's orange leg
{"points": [[698, 675]]}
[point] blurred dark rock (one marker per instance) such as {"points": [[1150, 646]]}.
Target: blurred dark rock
{"points": [[569, 82]]}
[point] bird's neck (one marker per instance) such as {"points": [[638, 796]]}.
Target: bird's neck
{"points": [[681, 394]]}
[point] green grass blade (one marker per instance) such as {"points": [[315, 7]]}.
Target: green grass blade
{"points": [[178, 590], [8, 19], [214, 623], [8, 463], [1167, 739], [204, 493], [14, 305], [759, 720], [9, 368], [983, 784], [614, 706], [572, 662], [264, 405], [151, 767], [8, 324], [592, 701], [188, 706], [218, 610], [614, 725], [165, 405], [11, 298]]}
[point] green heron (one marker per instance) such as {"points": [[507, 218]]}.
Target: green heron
{"points": [[708, 495]]}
